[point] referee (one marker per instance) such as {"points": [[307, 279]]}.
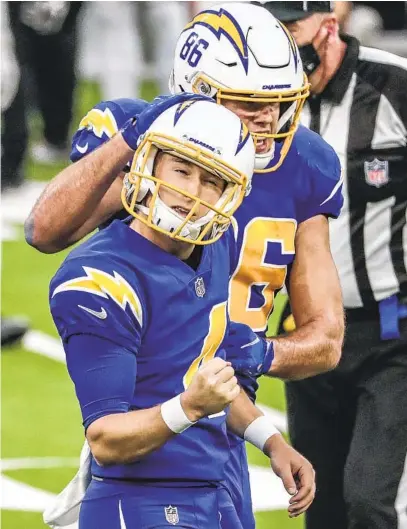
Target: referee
{"points": [[352, 423]]}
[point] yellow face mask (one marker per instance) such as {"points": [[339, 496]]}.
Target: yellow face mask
{"points": [[204, 85], [140, 183]]}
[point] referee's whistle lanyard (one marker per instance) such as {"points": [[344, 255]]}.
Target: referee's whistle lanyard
{"points": [[391, 312]]}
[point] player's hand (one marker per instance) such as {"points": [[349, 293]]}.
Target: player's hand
{"points": [[212, 388], [250, 354], [296, 473], [135, 127]]}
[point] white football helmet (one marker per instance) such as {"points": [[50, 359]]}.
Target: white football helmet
{"points": [[239, 51], [208, 135]]}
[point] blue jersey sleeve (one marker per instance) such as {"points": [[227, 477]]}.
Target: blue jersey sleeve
{"points": [[100, 317], [321, 177], [104, 375], [249, 384], [101, 123]]}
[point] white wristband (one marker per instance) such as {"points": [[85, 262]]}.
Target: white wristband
{"points": [[259, 431], [174, 416]]}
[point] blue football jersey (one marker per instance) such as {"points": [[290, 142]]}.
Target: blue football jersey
{"points": [[307, 184], [166, 318]]}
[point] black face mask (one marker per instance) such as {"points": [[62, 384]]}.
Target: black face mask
{"points": [[310, 59]]}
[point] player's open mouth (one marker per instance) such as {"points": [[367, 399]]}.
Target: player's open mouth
{"points": [[181, 211], [263, 145]]}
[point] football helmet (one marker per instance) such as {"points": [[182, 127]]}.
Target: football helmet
{"points": [[239, 51], [208, 135]]}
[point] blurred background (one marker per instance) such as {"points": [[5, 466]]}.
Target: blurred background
{"points": [[58, 59]]}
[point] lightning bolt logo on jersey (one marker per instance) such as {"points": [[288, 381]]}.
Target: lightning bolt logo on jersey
{"points": [[105, 285], [101, 123]]}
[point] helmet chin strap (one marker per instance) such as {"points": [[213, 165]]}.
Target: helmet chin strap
{"points": [[261, 161], [166, 218]]}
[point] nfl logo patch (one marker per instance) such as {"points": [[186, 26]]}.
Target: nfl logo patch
{"points": [[171, 515], [200, 287], [377, 172]]}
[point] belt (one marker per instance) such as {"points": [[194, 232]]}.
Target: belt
{"points": [[388, 311]]}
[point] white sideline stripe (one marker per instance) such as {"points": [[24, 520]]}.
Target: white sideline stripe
{"points": [[268, 493], [41, 343], [8, 232], [17, 496], [401, 499], [278, 418], [17, 463]]}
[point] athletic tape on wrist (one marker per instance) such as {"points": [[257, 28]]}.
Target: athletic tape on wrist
{"points": [[259, 431], [174, 416]]}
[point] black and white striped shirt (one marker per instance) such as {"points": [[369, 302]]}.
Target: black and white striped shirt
{"points": [[363, 115]]}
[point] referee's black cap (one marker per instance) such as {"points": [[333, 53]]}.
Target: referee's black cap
{"points": [[293, 11]]}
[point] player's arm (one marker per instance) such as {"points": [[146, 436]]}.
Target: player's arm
{"points": [[104, 374], [296, 472], [84, 195], [80, 198], [117, 438], [103, 367], [316, 301]]}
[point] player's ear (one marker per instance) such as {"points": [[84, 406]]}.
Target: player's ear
{"points": [[330, 22]]}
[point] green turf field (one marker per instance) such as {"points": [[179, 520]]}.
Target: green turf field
{"points": [[40, 415]]}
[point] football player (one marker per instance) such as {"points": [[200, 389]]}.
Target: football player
{"points": [[141, 308], [240, 55]]}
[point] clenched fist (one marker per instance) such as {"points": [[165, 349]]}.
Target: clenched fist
{"points": [[212, 388]]}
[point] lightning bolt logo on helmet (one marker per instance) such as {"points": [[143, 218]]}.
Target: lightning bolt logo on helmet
{"points": [[105, 285], [100, 121], [223, 23], [181, 108]]}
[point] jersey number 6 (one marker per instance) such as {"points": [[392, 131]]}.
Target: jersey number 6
{"points": [[252, 270]]}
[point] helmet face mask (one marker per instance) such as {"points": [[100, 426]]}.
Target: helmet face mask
{"points": [[143, 192], [292, 101], [250, 57]]}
